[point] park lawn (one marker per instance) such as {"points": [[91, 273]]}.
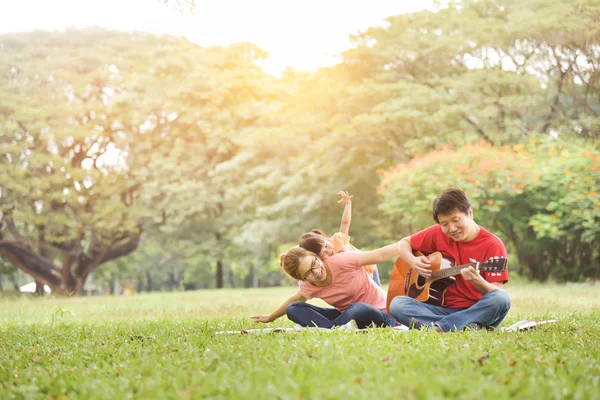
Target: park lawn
{"points": [[164, 346]]}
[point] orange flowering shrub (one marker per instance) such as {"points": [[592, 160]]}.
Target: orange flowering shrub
{"points": [[487, 174], [543, 197]]}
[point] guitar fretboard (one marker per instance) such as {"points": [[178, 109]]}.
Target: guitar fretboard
{"points": [[497, 265]]}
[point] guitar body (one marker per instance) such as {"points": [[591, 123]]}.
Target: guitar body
{"points": [[405, 281]]}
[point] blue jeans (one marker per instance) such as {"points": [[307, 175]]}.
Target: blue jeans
{"points": [[365, 315], [490, 310]]}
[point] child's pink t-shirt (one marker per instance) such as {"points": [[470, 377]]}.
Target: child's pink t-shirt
{"points": [[350, 284], [341, 242]]}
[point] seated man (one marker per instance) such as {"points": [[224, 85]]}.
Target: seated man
{"points": [[475, 300]]}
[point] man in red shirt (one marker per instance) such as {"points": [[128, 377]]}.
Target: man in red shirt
{"points": [[476, 299]]}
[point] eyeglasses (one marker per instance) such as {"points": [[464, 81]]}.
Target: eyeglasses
{"points": [[312, 268]]}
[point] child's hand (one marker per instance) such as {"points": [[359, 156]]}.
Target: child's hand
{"points": [[345, 197]]}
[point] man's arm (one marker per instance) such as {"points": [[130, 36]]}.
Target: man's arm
{"points": [[347, 214], [472, 275], [279, 311]]}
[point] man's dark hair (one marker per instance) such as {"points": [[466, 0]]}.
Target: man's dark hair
{"points": [[451, 201]]}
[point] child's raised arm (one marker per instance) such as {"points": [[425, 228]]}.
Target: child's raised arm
{"points": [[347, 214]]}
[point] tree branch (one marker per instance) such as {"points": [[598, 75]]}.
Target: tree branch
{"points": [[98, 255], [12, 228], [95, 246], [473, 121], [27, 260], [561, 79], [123, 248]]}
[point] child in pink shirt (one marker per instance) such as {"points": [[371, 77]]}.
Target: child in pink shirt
{"points": [[317, 242]]}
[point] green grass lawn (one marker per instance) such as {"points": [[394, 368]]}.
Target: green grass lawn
{"points": [[164, 346]]}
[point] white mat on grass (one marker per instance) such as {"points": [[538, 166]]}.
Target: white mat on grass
{"points": [[522, 325], [298, 328], [526, 324]]}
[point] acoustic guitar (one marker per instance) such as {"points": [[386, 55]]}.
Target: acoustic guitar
{"points": [[405, 281]]}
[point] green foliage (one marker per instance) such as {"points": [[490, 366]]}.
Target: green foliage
{"points": [[476, 70], [566, 206]]}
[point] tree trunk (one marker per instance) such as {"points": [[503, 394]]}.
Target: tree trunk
{"points": [[111, 285], [79, 284], [175, 280], [219, 274], [116, 286], [219, 271], [231, 278], [148, 281], [39, 288], [139, 287], [254, 272]]}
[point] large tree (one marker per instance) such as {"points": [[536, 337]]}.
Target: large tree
{"points": [[494, 70], [98, 130]]}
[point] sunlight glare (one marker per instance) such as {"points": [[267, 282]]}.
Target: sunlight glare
{"points": [[304, 35]]}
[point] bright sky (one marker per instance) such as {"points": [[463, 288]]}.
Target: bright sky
{"points": [[304, 34]]}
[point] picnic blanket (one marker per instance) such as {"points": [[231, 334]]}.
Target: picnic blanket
{"points": [[298, 328], [522, 325], [526, 324]]}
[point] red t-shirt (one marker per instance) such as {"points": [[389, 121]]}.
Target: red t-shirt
{"points": [[486, 245]]}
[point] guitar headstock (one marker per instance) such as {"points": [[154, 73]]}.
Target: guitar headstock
{"points": [[493, 265]]}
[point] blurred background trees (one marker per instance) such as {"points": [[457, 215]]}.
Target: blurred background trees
{"points": [[173, 166]]}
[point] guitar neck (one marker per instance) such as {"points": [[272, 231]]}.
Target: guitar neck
{"points": [[448, 272]]}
